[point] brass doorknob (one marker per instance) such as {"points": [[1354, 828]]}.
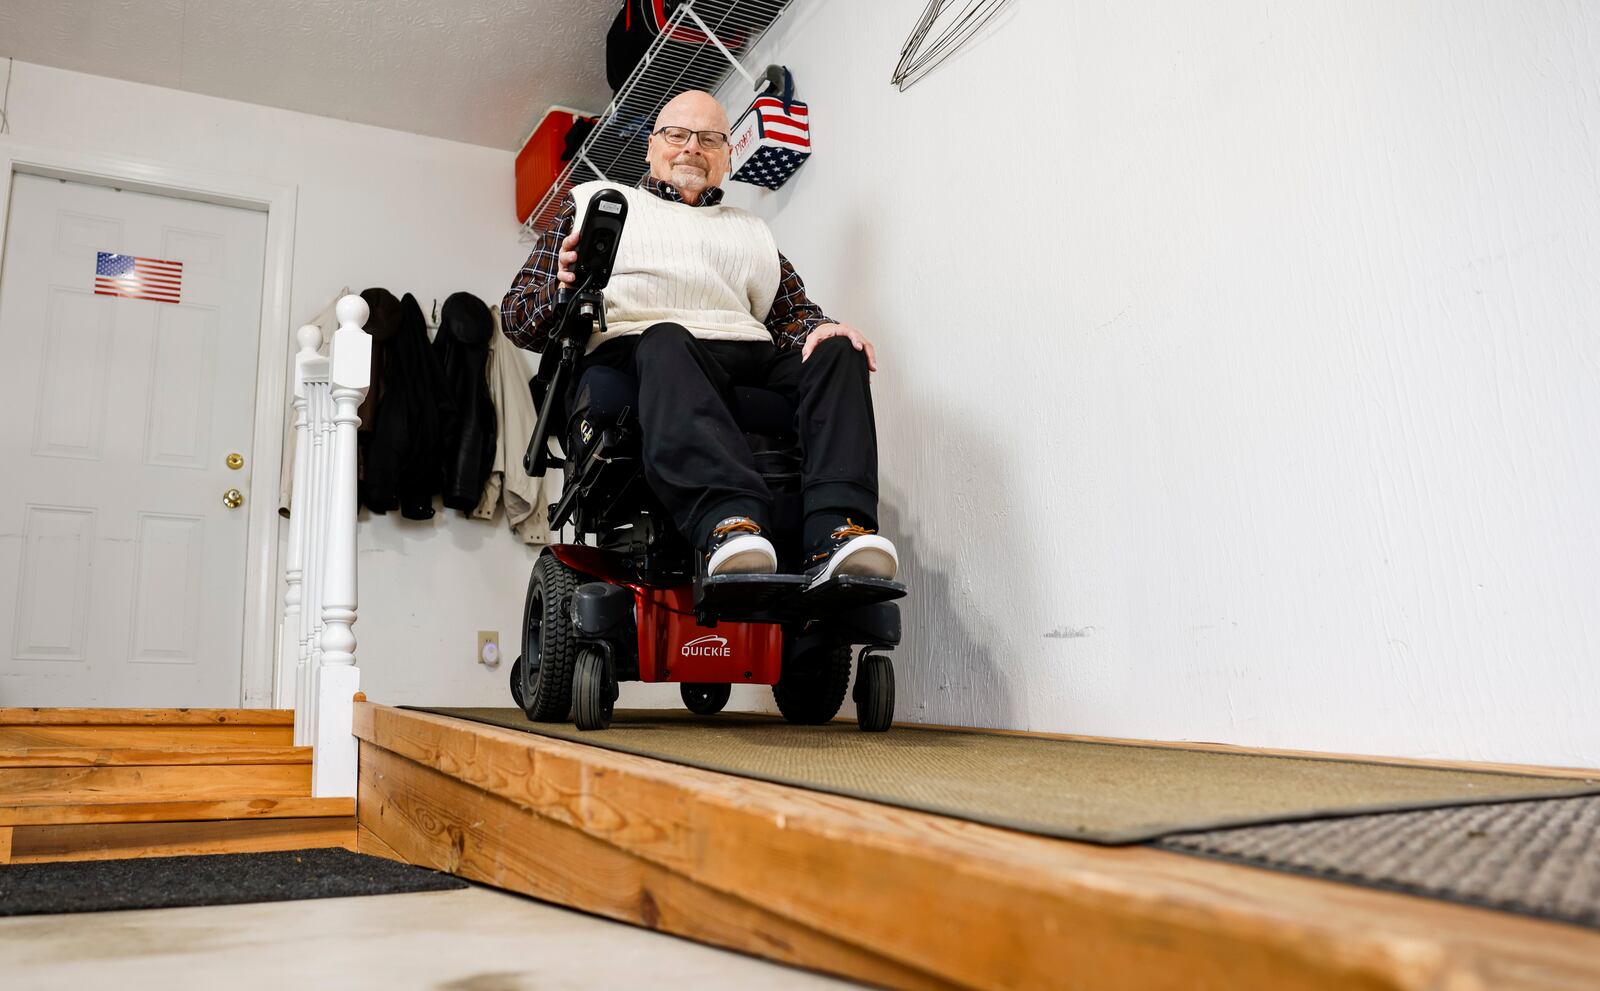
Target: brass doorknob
{"points": [[236, 461], [233, 498]]}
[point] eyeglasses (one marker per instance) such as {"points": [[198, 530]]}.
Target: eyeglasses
{"points": [[679, 136]]}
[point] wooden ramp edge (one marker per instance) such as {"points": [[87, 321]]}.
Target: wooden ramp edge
{"points": [[899, 898]]}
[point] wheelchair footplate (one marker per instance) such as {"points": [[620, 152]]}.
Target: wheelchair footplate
{"points": [[745, 598], [787, 598], [847, 591]]}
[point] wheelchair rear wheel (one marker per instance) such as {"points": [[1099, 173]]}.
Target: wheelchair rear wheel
{"points": [[811, 687], [705, 699], [548, 649]]}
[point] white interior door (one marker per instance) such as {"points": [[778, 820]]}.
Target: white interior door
{"points": [[122, 572]]}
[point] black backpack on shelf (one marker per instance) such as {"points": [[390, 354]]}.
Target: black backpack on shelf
{"points": [[636, 27]]}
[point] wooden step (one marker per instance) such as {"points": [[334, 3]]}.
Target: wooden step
{"points": [[91, 784], [297, 807], [112, 841], [144, 756], [67, 716], [100, 785], [22, 728]]}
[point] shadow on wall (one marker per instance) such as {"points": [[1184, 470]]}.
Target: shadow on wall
{"points": [[953, 664]]}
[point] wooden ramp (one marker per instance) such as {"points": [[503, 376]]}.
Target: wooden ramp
{"points": [[898, 898], [97, 784]]}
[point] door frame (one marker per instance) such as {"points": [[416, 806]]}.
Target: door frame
{"points": [[277, 200]]}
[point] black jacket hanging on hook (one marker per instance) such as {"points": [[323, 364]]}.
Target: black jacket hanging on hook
{"points": [[413, 415], [462, 347]]}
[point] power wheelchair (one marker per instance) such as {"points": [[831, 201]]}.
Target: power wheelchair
{"points": [[626, 602]]}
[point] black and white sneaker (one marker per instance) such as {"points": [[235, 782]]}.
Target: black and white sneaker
{"points": [[853, 550], [737, 547]]}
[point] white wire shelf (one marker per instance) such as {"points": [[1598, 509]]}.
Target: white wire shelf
{"points": [[615, 149]]}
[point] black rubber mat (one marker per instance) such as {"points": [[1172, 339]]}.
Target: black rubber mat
{"points": [[1076, 789], [1533, 858], [215, 879]]}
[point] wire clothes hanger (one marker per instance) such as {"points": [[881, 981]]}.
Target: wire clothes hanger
{"points": [[916, 60]]}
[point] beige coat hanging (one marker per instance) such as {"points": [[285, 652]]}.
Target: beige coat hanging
{"points": [[521, 494]]}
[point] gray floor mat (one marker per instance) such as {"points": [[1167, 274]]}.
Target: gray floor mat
{"points": [[215, 879], [1534, 858]]}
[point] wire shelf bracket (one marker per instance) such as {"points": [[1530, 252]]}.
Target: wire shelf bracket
{"points": [[699, 48]]}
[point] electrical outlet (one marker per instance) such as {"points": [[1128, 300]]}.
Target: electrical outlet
{"points": [[489, 648]]}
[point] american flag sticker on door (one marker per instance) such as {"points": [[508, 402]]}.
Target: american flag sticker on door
{"points": [[137, 278]]}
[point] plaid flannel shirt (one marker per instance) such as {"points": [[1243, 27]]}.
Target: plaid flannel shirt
{"points": [[528, 311]]}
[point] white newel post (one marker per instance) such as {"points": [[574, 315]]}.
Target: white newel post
{"points": [[291, 669], [333, 755]]}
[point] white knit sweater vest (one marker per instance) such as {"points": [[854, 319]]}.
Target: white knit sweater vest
{"points": [[713, 269]]}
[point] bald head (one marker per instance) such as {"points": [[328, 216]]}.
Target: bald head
{"points": [[689, 167], [695, 109]]}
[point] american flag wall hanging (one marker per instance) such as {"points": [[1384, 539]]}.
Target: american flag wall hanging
{"points": [[137, 278]]}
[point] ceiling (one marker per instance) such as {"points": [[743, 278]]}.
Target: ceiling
{"points": [[479, 71]]}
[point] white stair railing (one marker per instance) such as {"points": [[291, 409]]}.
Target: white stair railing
{"points": [[319, 602]]}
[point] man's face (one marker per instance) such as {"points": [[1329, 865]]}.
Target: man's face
{"points": [[689, 167]]}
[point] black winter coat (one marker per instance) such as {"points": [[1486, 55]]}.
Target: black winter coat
{"points": [[412, 417], [462, 347]]}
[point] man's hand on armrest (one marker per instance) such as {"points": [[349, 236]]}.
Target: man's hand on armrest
{"points": [[858, 340]]}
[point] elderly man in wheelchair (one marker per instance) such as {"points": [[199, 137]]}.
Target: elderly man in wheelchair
{"points": [[718, 453]]}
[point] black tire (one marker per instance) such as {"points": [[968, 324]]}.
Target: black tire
{"points": [[593, 692], [548, 648], [516, 684], [811, 687], [705, 699], [874, 694]]}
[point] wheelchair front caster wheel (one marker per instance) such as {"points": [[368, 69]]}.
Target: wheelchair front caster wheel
{"points": [[705, 699], [593, 691], [874, 694]]}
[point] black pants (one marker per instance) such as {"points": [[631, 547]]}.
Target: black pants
{"points": [[695, 456]]}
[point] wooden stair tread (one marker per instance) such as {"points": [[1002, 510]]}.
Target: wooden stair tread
{"points": [[113, 784], [83, 813], [150, 756], [154, 737], [116, 841], [42, 716]]}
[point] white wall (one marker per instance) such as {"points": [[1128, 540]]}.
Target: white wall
{"points": [[1239, 363], [375, 207]]}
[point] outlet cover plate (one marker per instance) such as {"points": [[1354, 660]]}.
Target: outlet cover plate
{"points": [[489, 648]]}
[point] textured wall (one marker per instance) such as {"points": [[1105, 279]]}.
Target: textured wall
{"points": [[1239, 362], [482, 72], [376, 207]]}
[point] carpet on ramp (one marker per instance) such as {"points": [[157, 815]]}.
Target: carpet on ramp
{"points": [[1112, 793]]}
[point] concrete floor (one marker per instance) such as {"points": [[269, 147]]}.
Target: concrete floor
{"points": [[477, 939]]}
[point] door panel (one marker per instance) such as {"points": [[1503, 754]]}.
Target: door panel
{"points": [[121, 571]]}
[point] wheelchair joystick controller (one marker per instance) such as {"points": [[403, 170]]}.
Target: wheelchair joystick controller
{"points": [[583, 312], [601, 234]]}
